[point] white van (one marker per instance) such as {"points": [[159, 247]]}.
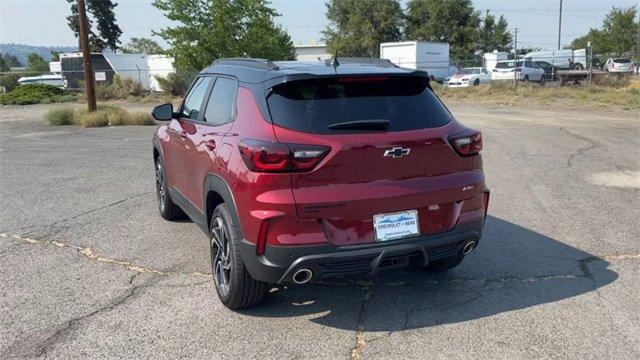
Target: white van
{"points": [[561, 58]]}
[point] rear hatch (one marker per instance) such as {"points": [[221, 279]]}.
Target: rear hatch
{"points": [[506, 68], [389, 152]]}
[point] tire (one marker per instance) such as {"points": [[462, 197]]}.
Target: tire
{"points": [[444, 264], [526, 78], [476, 82], [578, 66], [168, 210], [235, 287], [543, 79]]}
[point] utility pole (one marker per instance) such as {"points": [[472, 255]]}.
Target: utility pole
{"points": [[560, 25], [86, 56], [638, 47], [515, 60]]}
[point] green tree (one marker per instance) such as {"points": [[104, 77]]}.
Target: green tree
{"points": [[12, 60], [142, 46], [108, 32], [207, 30], [618, 34], [35, 63], [452, 21], [55, 56], [493, 35], [502, 39], [4, 67], [358, 27]]}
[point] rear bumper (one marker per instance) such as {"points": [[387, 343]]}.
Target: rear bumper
{"points": [[280, 262]]}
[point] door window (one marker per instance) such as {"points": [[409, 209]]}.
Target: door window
{"points": [[195, 98], [221, 105]]}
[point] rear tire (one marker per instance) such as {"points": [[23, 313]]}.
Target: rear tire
{"points": [[543, 79], [444, 264], [526, 78], [235, 287], [168, 210]]}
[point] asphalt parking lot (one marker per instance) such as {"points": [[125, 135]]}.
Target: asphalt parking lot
{"points": [[89, 269]]}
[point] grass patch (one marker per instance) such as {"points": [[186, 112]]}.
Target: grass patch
{"points": [[36, 94], [502, 93], [105, 115]]}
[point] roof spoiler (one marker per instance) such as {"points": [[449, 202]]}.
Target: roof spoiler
{"points": [[361, 61], [264, 64]]}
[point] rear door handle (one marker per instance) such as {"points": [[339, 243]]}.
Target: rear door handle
{"points": [[210, 144]]}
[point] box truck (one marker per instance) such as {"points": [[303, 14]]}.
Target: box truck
{"points": [[432, 57]]}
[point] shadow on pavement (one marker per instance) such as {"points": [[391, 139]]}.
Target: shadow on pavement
{"points": [[513, 268]]}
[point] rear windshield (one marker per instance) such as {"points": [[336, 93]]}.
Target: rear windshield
{"points": [[621, 61], [507, 65], [315, 105]]}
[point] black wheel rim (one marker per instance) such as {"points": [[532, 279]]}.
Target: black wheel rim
{"points": [[160, 186], [220, 259]]}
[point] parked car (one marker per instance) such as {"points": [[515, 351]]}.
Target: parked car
{"points": [[525, 70], [618, 65], [549, 70], [299, 171], [470, 77]]}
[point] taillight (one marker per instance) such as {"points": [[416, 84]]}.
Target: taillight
{"points": [[265, 156], [467, 145]]}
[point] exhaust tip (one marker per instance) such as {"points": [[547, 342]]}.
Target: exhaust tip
{"points": [[302, 276], [469, 247]]}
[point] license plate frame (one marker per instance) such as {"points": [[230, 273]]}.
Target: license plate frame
{"points": [[396, 225]]}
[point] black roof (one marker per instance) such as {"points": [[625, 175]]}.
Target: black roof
{"points": [[251, 70]]}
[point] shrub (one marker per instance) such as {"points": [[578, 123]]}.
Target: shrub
{"points": [[93, 119], [176, 83], [33, 94], [60, 116], [124, 87], [105, 115], [120, 88], [140, 118]]}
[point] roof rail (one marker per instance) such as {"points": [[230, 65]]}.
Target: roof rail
{"points": [[249, 62], [362, 61]]}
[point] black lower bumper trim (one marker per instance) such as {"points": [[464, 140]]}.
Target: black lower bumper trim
{"points": [[280, 262]]}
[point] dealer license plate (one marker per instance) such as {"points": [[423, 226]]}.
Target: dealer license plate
{"points": [[397, 225]]}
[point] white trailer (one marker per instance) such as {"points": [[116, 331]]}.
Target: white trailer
{"points": [[491, 59], [432, 57]]}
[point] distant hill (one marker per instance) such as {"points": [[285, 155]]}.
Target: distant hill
{"points": [[21, 51]]}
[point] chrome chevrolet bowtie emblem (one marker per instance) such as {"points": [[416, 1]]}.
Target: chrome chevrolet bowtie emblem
{"points": [[396, 152]]}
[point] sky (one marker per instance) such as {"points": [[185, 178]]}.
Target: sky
{"points": [[43, 22]]}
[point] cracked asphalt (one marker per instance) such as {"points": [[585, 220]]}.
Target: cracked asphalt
{"points": [[89, 270]]}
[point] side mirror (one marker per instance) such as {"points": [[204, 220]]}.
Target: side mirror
{"points": [[163, 112]]}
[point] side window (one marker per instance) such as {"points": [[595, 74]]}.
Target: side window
{"points": [[222, 102], [195, 98]]}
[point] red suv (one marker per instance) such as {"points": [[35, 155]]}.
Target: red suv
{"points": [[299, 171]]}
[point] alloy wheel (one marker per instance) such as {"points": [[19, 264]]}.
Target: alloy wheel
{"points": [[160, 186], [220, 259]]}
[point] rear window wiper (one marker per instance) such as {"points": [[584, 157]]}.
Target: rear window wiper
{"points": [[372, 124]]}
